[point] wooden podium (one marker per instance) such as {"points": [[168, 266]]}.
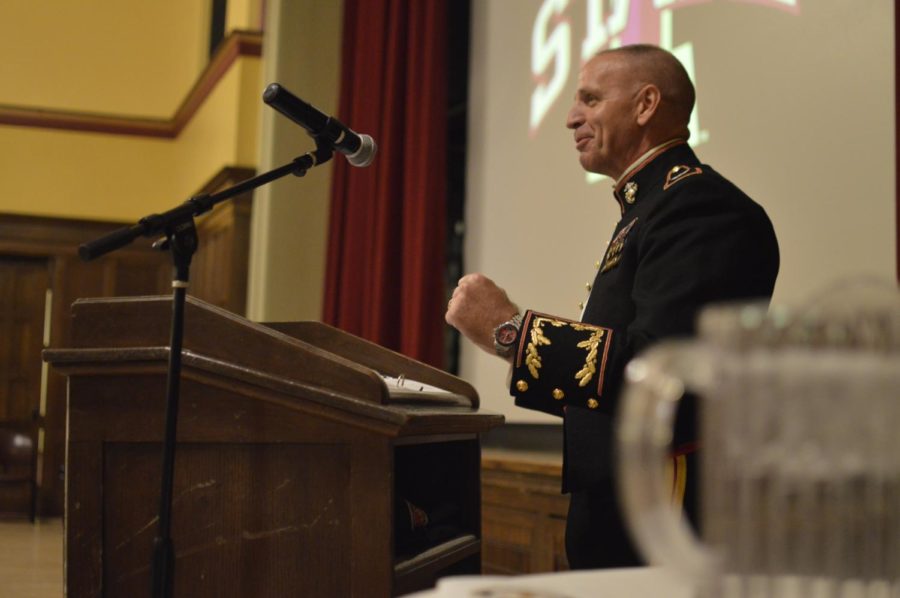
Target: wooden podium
{"points": [[292, 454]]}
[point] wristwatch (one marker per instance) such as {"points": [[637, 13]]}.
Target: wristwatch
{"points": [[506, 336]]}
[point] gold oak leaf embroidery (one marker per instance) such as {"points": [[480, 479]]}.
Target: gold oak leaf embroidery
{"points": [[532, 358], [585, 374]]}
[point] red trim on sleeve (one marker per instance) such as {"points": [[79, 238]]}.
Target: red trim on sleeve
{"points": [[526, 326], [685, 449], [602, 368]]}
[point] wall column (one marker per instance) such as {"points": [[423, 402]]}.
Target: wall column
{"points": [[301, 51]]}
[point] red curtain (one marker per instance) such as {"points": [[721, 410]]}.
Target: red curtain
{"points": [[385, 268]]}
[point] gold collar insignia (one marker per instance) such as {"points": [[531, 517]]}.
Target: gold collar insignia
{"points": [[630, 191], [676, 173]]}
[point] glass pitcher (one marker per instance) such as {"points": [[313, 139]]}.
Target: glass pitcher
{"points": [[799, 420]]}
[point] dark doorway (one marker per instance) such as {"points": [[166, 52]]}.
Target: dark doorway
{"points": [[23, 295], [24, 284]]}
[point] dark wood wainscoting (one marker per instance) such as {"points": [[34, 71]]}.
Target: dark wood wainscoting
{"points": [[523, 513], [23, 292], [39, 259], [51, 244], [219, 269]]}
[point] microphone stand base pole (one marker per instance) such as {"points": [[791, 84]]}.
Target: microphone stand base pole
{"points": [[181, 240]]}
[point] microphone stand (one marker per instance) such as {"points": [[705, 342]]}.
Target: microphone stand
{"points": [[181, 239]]}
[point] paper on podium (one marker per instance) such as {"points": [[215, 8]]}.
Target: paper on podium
{"points": [[404, 388]]}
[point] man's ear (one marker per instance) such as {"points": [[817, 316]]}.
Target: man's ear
{"points": [[647, 103]]}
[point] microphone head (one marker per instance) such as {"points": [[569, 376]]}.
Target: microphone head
{"points": [[365, 154]]}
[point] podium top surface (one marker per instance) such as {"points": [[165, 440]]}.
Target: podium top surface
{"points": [[310, 360]]}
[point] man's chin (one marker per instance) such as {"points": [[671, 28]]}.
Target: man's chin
{"points": [[591, 164]]}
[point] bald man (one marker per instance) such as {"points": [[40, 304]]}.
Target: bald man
{"points": [[687, 237]]}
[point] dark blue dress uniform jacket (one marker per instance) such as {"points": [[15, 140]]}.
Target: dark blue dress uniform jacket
{"points": [[687, 237]]}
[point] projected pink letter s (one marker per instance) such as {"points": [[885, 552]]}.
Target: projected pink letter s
{"points": [[555, 48]]}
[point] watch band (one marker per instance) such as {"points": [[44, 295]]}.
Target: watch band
{"points": [[506, 336]]}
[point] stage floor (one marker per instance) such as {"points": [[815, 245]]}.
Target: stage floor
{"points": [[31, 558]]}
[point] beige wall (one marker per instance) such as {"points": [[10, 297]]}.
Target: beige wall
{"points": [[109, 56], [132, 59], [72, 174], [138, 59], [244, 14]]}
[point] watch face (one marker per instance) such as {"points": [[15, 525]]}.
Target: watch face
{"points": [[507, 334]]}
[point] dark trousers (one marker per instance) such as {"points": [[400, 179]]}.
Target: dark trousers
{"points": [[596, 537], [596, 533]]}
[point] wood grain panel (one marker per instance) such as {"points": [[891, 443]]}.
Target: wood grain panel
{"points": [[235, 504], [220, 266], [54, 242], [523, 513], [219, 275], [281, 488]]}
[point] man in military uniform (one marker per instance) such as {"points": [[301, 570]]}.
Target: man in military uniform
{"points": [[687, 237]]}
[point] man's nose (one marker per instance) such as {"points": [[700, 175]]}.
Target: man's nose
{"points": [[574, 119]]}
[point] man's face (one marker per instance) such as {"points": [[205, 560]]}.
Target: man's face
{"points": [[603, 116]]}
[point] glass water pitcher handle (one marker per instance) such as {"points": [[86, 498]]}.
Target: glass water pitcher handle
{"points": [[655, 384]]}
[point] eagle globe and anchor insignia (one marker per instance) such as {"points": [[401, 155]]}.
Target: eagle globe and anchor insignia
{"points": [[630, 191]]}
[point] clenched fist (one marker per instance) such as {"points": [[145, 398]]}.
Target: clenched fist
{"points": [[476, 307]]}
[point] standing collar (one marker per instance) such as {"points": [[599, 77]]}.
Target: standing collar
{"points": [[650, 168], [646, 157]]}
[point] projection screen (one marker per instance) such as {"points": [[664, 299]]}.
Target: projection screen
{"points": [[795, 106]]}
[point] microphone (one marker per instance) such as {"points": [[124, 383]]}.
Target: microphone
{"points": [[359, 149]]}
